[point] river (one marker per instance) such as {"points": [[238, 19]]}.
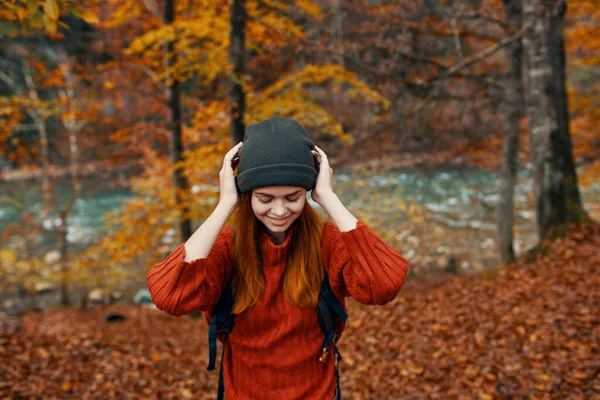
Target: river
{"points": [[429, 216]]}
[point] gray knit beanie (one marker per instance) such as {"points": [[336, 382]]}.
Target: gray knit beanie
{"points": [[275, 152]]}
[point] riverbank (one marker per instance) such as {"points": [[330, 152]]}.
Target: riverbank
{"points": [[99, 169]]}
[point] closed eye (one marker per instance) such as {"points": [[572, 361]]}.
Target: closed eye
{"points": [[290, 200]]}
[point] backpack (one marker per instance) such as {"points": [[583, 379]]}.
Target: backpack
{"points": [[328, 311]]}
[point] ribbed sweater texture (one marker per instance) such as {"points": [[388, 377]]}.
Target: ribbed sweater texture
{"points": [[273, 351]]}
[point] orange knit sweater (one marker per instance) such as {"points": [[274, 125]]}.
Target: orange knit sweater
{"points": [[273, 350]]}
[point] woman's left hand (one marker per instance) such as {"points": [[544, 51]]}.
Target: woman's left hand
{"points": [[323, 186]]}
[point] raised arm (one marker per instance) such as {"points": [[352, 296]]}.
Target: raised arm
{"points": [[194, 275], [361, 265], [202, 241], [358, 263]]}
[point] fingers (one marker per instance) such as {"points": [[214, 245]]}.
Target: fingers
{"points": [[317, 157], [235, 162], [231, 153], [231, 158], [320, 156], [320, 153]]}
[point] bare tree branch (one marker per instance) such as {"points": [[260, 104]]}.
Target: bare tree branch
{"points": [[487, 18], [8, 80], [473, 59], [152, 6]]}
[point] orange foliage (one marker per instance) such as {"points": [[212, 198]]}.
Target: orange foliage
{"points": [[582, 42], [200, 35]]}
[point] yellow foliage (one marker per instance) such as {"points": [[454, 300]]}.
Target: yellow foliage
{"points": [[10, 117], [310, 7], [23, 17], [268, 26], [7, 257], [301, 107], [51, 8], [126, 11], [200, 45], [89, 17], [320, 74], [290, 97], [202, 38], [20, 269], [147, 226]]}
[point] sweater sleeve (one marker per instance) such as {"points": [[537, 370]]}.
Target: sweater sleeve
{"points": [[361, 266], [179, 287]]}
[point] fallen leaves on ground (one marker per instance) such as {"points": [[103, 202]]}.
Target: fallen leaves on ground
{"points": [[524, 331]]}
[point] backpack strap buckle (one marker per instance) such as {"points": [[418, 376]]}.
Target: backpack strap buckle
{"points": [[324, 354]]}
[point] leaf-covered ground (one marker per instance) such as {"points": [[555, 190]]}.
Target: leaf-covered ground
{"points": [[525, 331]]}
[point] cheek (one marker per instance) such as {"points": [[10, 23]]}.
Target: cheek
{"points": [[298, 206], [259, 208]]}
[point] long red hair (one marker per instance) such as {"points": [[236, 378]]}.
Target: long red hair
{"points": [[304, 268]]}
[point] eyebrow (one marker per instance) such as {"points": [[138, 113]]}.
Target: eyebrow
{"points": [[287, 195]]}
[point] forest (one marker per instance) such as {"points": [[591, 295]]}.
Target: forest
{"points": [[465, 133]]}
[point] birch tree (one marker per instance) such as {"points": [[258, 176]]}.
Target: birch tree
{"points": [[512, 113]]}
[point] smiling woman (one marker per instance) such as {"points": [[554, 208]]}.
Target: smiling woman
{"points": [[277, 207], [274, 265]]}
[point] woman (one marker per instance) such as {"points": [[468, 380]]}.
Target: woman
{"points": [[276, 251]]}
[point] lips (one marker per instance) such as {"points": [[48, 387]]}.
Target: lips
{"points": [[278, 222]]}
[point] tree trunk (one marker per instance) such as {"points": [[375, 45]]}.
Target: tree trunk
{"points": [[60, 231], [40, 124], [336, 32], [85, 292], [237, 55], [510, 146], [574, 208], [540, 91], [73, 126], [65, 299], [174, 125]]}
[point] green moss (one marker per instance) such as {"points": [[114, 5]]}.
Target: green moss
{"points": [[532, 254], [558, 231]]}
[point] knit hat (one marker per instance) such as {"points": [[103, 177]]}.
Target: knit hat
{"points": [[276, 151]]}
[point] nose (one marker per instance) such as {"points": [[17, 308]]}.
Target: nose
{"points": [[279, 210]]}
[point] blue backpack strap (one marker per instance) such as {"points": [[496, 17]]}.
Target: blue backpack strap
{"points": [[329, 309], [338, 358], [221, 389], [221, 323], [212, 343]]}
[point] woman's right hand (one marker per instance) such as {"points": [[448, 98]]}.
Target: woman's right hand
{"points": [[229, 195]]}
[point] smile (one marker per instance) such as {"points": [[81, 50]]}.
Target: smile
{"points": [[278, 222]]}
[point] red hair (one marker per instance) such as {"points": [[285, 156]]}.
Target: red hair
{"points": [[304, 268]]}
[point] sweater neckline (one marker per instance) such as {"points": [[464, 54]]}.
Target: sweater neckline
{"points": [[286, 242]]}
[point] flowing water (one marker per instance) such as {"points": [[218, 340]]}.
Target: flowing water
{"points": [[429, 216]]}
